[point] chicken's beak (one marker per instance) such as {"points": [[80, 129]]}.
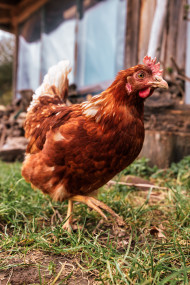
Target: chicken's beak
{"points": [[159, 82]]}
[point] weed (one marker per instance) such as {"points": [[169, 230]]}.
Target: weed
{"points": [[98, 252]]}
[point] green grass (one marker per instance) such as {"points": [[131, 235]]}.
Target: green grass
{"points": [[105, 253]]}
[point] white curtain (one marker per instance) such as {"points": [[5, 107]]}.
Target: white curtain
{"points": [[59, 45], [101, 36], [28, 76], [100, 44]]}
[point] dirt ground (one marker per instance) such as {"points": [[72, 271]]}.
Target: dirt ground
{"points": [[36, 267]]}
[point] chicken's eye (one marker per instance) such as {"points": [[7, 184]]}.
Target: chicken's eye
{"points": [[140, 75]]}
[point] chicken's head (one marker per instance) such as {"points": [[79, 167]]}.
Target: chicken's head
{"points": [[143, 79]]}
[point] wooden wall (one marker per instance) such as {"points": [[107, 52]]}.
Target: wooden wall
{"points": [[140, 15]]}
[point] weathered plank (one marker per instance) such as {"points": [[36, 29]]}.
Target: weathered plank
{"points": [[132, 33], [162, 147], [181, 41], [146, 17], [172, 33], [187, 67]]}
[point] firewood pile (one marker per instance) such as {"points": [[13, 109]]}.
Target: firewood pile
{"points": [[12, 141], [12, 117]]}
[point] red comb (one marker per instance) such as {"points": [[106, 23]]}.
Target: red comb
{"points": [[151, 63]]}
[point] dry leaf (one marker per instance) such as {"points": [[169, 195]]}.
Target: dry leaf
{"points": [[157, 232]]}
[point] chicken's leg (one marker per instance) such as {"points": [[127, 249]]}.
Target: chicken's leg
{"points": [[97, 206], [68, 224]]}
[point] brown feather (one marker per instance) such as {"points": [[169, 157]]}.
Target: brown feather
{"points": [[75, 150]]}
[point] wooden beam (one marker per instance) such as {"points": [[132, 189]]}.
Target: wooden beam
{"points": [[25, 8], [5, 20], [25, 4], [6, 6]]}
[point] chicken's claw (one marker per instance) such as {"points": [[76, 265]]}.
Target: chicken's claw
{"points": [[97, 206], [56, 215], [68, 224]]}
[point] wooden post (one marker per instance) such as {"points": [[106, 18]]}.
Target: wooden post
{"points": [[146, 18], [132, 33], [156, 34], [15, 62], [181, 41], [172, 32], [187, 83]]}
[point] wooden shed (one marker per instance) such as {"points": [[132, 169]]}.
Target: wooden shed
{"points": [[119, 38], [100, 37]]}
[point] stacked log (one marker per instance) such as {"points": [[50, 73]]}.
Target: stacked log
{"points": [[12, 141]]}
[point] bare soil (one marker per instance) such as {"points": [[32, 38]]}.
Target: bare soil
{"points": [[37, 267]]}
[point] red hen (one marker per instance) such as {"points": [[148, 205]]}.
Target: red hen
{"points": [[74, 150]]}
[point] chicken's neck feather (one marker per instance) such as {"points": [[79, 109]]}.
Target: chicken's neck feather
{"points": [[112, 107]]}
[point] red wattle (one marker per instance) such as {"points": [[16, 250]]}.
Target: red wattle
{"points": [[144, 93]]}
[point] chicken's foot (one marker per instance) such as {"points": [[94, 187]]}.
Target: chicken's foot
{"points": [[54, 216], [68, 224], [97, 206]]}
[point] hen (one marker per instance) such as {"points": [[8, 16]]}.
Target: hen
{"points": [[74, 150]]}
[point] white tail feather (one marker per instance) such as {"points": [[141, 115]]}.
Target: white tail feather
{"points": [[56, 76]]}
